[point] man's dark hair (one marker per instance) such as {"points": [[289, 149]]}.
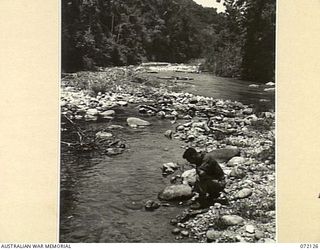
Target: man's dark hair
{"points": [[189, 152]]}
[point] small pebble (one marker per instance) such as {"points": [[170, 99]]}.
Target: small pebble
{"points": [[258, 235], [173, 222], [185, 233], [175, 231]]}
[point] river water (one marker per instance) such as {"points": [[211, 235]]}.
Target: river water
{"points": [[102, 198]]}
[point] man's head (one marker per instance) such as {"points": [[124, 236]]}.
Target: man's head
{"points": [[191, 155]]}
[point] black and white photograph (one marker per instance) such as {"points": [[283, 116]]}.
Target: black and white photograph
{"points": [[167, 121]]}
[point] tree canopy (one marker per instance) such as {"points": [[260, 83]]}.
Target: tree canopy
{"points": [[237, 43]]}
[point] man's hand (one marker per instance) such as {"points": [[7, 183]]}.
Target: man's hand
{"points": [[201, 172]]}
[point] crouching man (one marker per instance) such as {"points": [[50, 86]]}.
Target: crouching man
{"points": [[210, 177]]}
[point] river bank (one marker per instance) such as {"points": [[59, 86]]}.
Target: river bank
{"points": [[203, 122]]}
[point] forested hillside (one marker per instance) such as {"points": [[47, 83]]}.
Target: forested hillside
{"points": [[237, 43]]}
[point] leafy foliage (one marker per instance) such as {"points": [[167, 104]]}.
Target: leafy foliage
{"points": [[237, 43]]}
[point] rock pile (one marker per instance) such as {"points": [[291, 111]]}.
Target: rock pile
{"points": [[243, 139]]}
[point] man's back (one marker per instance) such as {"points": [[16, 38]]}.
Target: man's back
{"points": [[210, 167]]}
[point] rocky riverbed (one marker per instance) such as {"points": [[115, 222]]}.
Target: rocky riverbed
{"points": [[198, 121]]}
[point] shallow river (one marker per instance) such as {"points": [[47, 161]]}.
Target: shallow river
{"points": [[102, 197]]}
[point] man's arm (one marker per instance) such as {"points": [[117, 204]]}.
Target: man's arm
{"points": [[210, 168], [202, 169]]}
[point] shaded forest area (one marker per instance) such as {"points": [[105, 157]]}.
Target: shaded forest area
{"points": [[237, 43]]}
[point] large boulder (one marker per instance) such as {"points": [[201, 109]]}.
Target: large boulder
{"points": [[137, 122], [189, 177], [176, 192], [235, 161], [225, 154]]}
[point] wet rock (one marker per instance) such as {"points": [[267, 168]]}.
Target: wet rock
{"points": [[92, 112], [243, 193], [108, 113], [143, 110], [231, 220], [234, 161], [262, 168], [193, 100], [103, 135], [175, 231], [191, 137], [174, 113], [137, 122], [253, 86], [184, 233], [202, 125], [114, 151], [63, 103], [176, 192], [247, 111], [213, 235], [115, 127], [176, 179], [189, 177], [173, 222], [170, 116], [168, 134], [122, 103], [217, 205], [90, 118], [180, 128], [151, 205], [259, 235], [108, 117], [250, 229], [161, 114], [169, 168], [187, 117]]}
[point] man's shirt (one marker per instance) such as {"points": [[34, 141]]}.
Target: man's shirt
{"points": [[210, 167]]}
